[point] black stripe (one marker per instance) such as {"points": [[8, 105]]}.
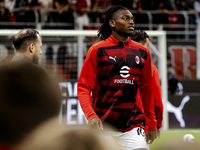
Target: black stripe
{"points": [[143, 53], [102, 50], [139, 121], [103, 63]]}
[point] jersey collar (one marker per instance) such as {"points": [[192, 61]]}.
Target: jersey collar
{"points": [[112, 39]]}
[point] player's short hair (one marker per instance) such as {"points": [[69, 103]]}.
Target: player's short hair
{"points": [[140, 36], [28, 96], [25, 37]]}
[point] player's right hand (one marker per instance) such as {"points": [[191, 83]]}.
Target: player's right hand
{"points": [[95, 124]]}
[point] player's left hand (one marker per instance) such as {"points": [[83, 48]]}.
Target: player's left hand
{"points": [[158, 133], [151, 135]]}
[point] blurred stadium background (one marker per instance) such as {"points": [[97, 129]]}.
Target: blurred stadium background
{"points": [[64, 54], [175, 136]]}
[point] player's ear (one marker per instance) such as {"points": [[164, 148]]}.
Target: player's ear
{"points": [[31, 47], [112, 23]]}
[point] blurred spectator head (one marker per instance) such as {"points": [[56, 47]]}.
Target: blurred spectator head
{"points": [[50, 137], [28, 96]]}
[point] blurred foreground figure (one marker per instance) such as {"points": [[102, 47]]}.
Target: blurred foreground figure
{"points": [[51, 137], [28, 45], [28, 97]]}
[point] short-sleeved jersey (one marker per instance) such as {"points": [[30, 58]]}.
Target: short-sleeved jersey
{"points": [[114, 71]]}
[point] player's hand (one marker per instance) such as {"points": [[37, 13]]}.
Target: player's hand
{"points": [[95, 124], [151, 136], [158, 133]]}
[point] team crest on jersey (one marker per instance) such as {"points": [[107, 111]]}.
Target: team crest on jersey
{"points": [[137, 59]]}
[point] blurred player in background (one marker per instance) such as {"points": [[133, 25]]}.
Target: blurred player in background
{"points": [[143, 38], [28, 45], [114, 70]]}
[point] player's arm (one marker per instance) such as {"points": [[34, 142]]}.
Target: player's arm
{"points": [[86, 83], [158, 105], [147, 99], [146, 93]]}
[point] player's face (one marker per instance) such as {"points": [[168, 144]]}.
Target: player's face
{"points": [[38, 51], [123, 23]]}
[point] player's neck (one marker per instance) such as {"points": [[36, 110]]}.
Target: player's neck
{"points": [[119, 37]]}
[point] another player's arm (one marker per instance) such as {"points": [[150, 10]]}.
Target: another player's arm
{"points": [[147, 99], [158, 105]]}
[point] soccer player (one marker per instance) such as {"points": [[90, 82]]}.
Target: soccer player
{"points": [[114, 70], [143, 38], [28, 45]]}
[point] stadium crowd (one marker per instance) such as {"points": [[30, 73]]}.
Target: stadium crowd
{"points": [[79, 14]]}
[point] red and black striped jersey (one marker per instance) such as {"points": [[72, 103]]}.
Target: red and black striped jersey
{"points": [[114, 71]]}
